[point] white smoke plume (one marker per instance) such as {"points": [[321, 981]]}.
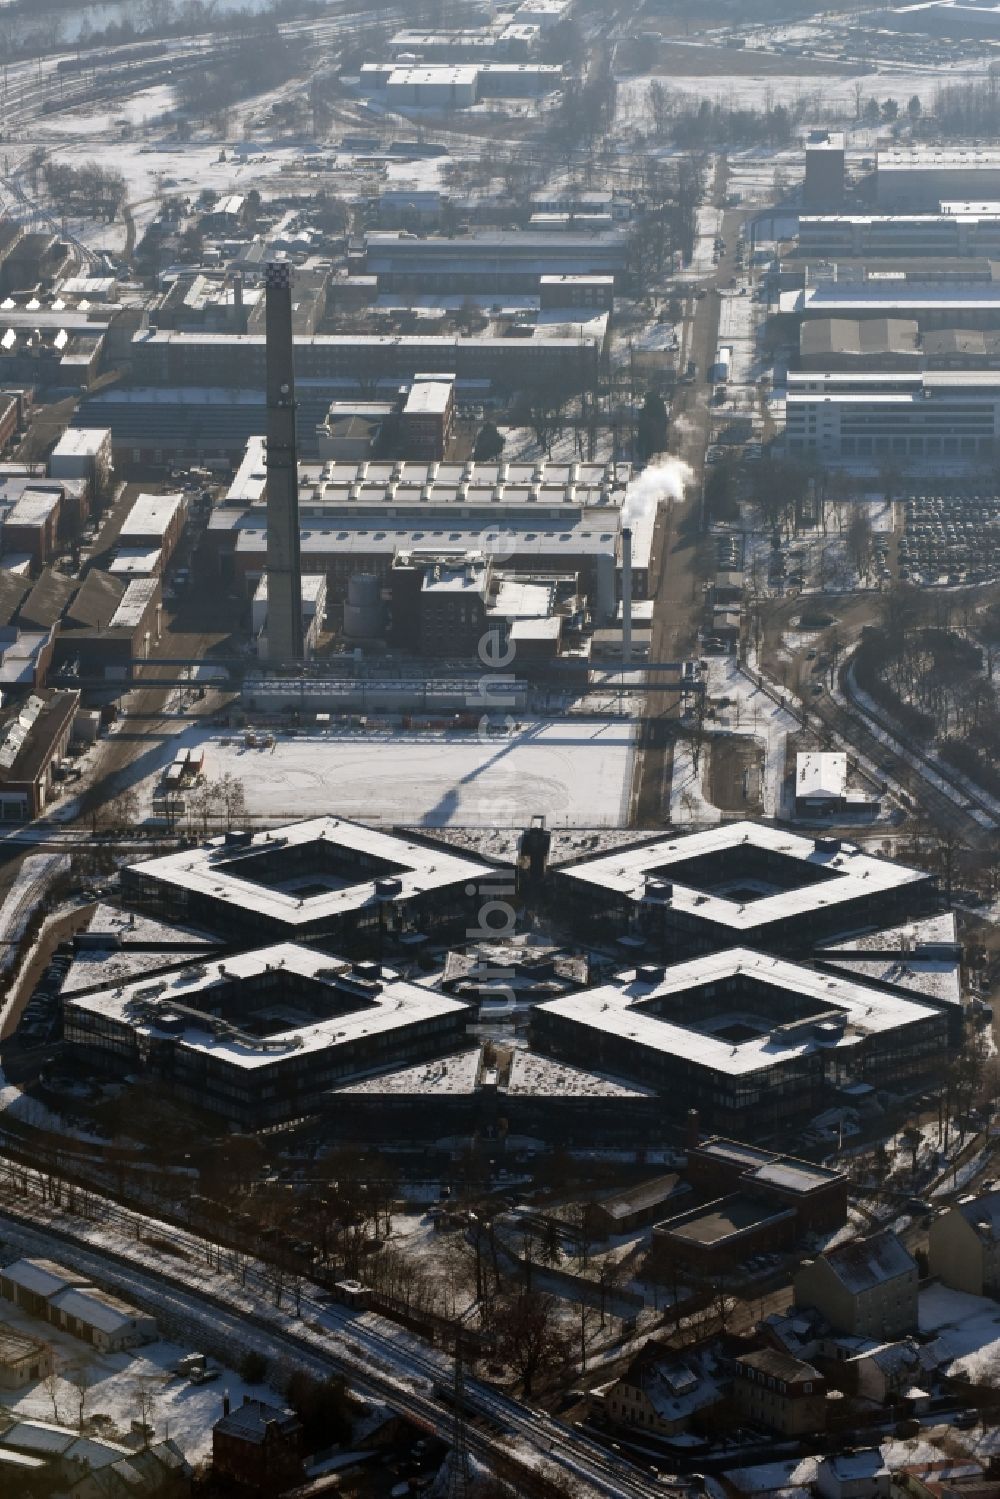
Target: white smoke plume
{"points": [[664, 479]]}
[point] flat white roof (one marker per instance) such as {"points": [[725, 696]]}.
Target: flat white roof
{"points": [[441, 74], [367, 534], [81, 442], [936, 158], [151, 515], [537, 629], [429, 397], [197, 870], [153, 1006], [313, 586], [136, 562], [948, 212], [614, 1009], [516, 600], [820, 775], [857, 874]]}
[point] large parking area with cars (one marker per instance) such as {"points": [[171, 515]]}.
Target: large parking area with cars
{"points": [[949, 539]]}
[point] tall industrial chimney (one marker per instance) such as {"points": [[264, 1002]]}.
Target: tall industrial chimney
{"points": [[626, 597], [284, 566]]}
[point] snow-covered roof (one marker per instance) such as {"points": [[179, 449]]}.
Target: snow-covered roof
{"points": [[429, 398], [853, 875], [33, 508], [620, 1008], [452, 1074], [42, 1277], [95, 1308], [849, 1467], [177, 1004], [151, 515], [864, 1264], [136, 600], [770, 1478], [251, 1419], [820, 775], [923, 955], [531, 1072], [215, 871], [136, 562], [81, 441], [983, 1213]]}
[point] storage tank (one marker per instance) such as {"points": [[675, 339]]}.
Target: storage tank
{"points": [[363, 612]]}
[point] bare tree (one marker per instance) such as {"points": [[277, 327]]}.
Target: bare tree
{"points": [[529, 1336]]}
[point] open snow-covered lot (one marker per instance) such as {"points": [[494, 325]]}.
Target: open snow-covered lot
{"points": [[121, 1387], [577, 772]]}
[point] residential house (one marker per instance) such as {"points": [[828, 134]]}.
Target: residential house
{"points": [[257, 1446], [963, 1245], [867, 1288], [774, 1390], [892, 1372], [853, 1475], [665, 1393]]}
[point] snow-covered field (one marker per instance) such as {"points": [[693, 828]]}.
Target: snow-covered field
{"points": [[819, 97], [576, 772]]}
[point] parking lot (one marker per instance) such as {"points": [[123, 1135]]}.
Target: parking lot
{"points": [[950, 539], [40, 1017]]}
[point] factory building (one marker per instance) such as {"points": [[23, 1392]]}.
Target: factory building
{"points": [[741, 883], [261, 1038], [31, 523], [959, 20], [956, 230], [952, 414], [409, 82], [427, 418], [751, 1041], [488, 261], [825, 170], [829, 344], [454, 86], [149, 535], [313, 587], [915, 177], [358, 519], [34, 736], [83, 454], [930, 304], [162, 357], [321, 878]]}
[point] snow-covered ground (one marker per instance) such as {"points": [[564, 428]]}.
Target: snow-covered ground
{"points": [[968, 1331], [817, 97], [751, 711], [689, 805], [152, 170], [576, 772], [117, 1382]]}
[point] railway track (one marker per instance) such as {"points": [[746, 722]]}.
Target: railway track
{"points": [[373, 1353]]}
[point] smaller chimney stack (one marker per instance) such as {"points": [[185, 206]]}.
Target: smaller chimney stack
{"points": [[225, 1402]]}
